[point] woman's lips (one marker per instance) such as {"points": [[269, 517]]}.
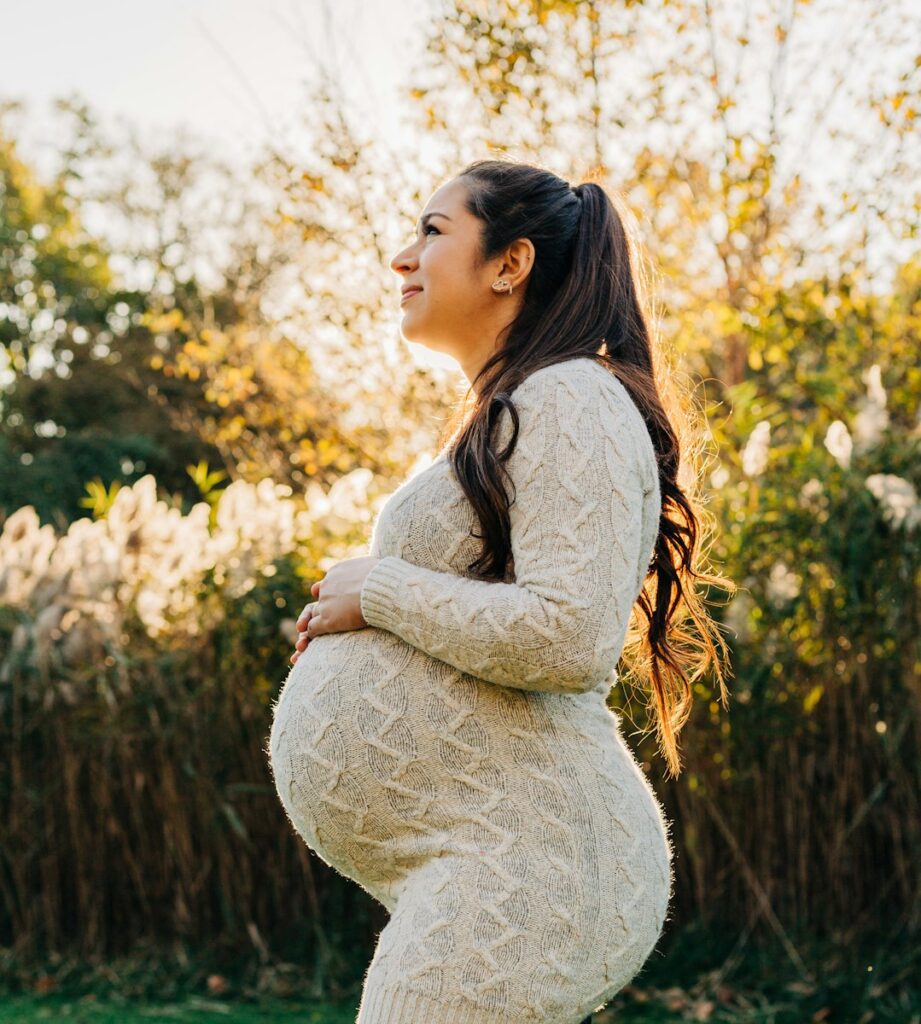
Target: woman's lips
{"points": [[409, 295]]}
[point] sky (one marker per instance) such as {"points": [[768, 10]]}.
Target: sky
{"points": [[230, 69], [236, 71]]}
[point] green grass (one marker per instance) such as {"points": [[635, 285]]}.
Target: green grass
{"points": [[93, 1010], [699, 979], [669, 1006]]}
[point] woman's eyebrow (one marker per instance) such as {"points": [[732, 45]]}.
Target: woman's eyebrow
{"points": [[424, 220]]}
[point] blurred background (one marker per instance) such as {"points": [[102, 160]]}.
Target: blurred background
{"points": [[204, 398]]}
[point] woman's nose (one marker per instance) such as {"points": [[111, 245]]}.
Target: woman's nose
{"points": [[403, 261]]}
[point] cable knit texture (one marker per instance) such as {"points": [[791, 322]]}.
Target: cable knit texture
{"points": [[457, 758]]}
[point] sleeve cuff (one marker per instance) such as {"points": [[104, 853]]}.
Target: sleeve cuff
{"points": [[379, 592]]}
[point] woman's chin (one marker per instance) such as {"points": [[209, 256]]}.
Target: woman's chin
{"points": [[411, 332]]}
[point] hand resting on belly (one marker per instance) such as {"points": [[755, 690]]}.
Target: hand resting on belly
{"points": [[337, 604]]}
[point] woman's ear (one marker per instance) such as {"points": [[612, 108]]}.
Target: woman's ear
{"points": [[519, 261]]}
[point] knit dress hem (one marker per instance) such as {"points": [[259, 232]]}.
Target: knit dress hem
{"points": [[403, 1006]]}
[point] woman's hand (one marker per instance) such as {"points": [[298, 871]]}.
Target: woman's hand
{"points": [[337, 607]]}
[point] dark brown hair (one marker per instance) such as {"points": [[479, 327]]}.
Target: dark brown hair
{"points": [[584, 297]]}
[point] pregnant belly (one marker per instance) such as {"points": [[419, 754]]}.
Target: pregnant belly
{"points": [[384, 757], [363, 745]]}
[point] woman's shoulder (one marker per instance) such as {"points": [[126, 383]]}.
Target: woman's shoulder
{"points": [[579, 390], [564, 369], [576, 387], [581, 375]]}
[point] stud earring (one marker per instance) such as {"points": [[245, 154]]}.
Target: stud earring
{"points": [[502, 286]]}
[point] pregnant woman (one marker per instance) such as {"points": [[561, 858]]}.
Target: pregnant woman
{"points": [[443, 737]]}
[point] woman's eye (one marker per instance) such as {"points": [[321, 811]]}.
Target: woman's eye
{"points": [[431, 227]]}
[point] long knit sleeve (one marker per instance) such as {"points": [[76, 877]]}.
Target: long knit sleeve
{"points": [[582, 530]]}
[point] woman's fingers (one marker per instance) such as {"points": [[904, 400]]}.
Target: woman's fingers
{"points": [[304, 633], [300, 646]]}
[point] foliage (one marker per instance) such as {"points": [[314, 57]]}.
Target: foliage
{"points": [[78, 399], [176, 359]]}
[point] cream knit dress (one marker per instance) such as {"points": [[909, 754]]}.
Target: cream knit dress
{"points": [[457, 759]]}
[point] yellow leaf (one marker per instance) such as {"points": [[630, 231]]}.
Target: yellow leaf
{"points": [[812, 698]]}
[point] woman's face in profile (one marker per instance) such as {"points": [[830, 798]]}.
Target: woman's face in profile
{"points": [[454, 297], [456, 311]]}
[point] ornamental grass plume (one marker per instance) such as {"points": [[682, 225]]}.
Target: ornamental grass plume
{"points": [[74, 591], [898, 499], [839, 444], [872, 418], [755, 452]]}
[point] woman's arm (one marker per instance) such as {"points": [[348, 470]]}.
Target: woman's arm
{"points": [[576, 537]]}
